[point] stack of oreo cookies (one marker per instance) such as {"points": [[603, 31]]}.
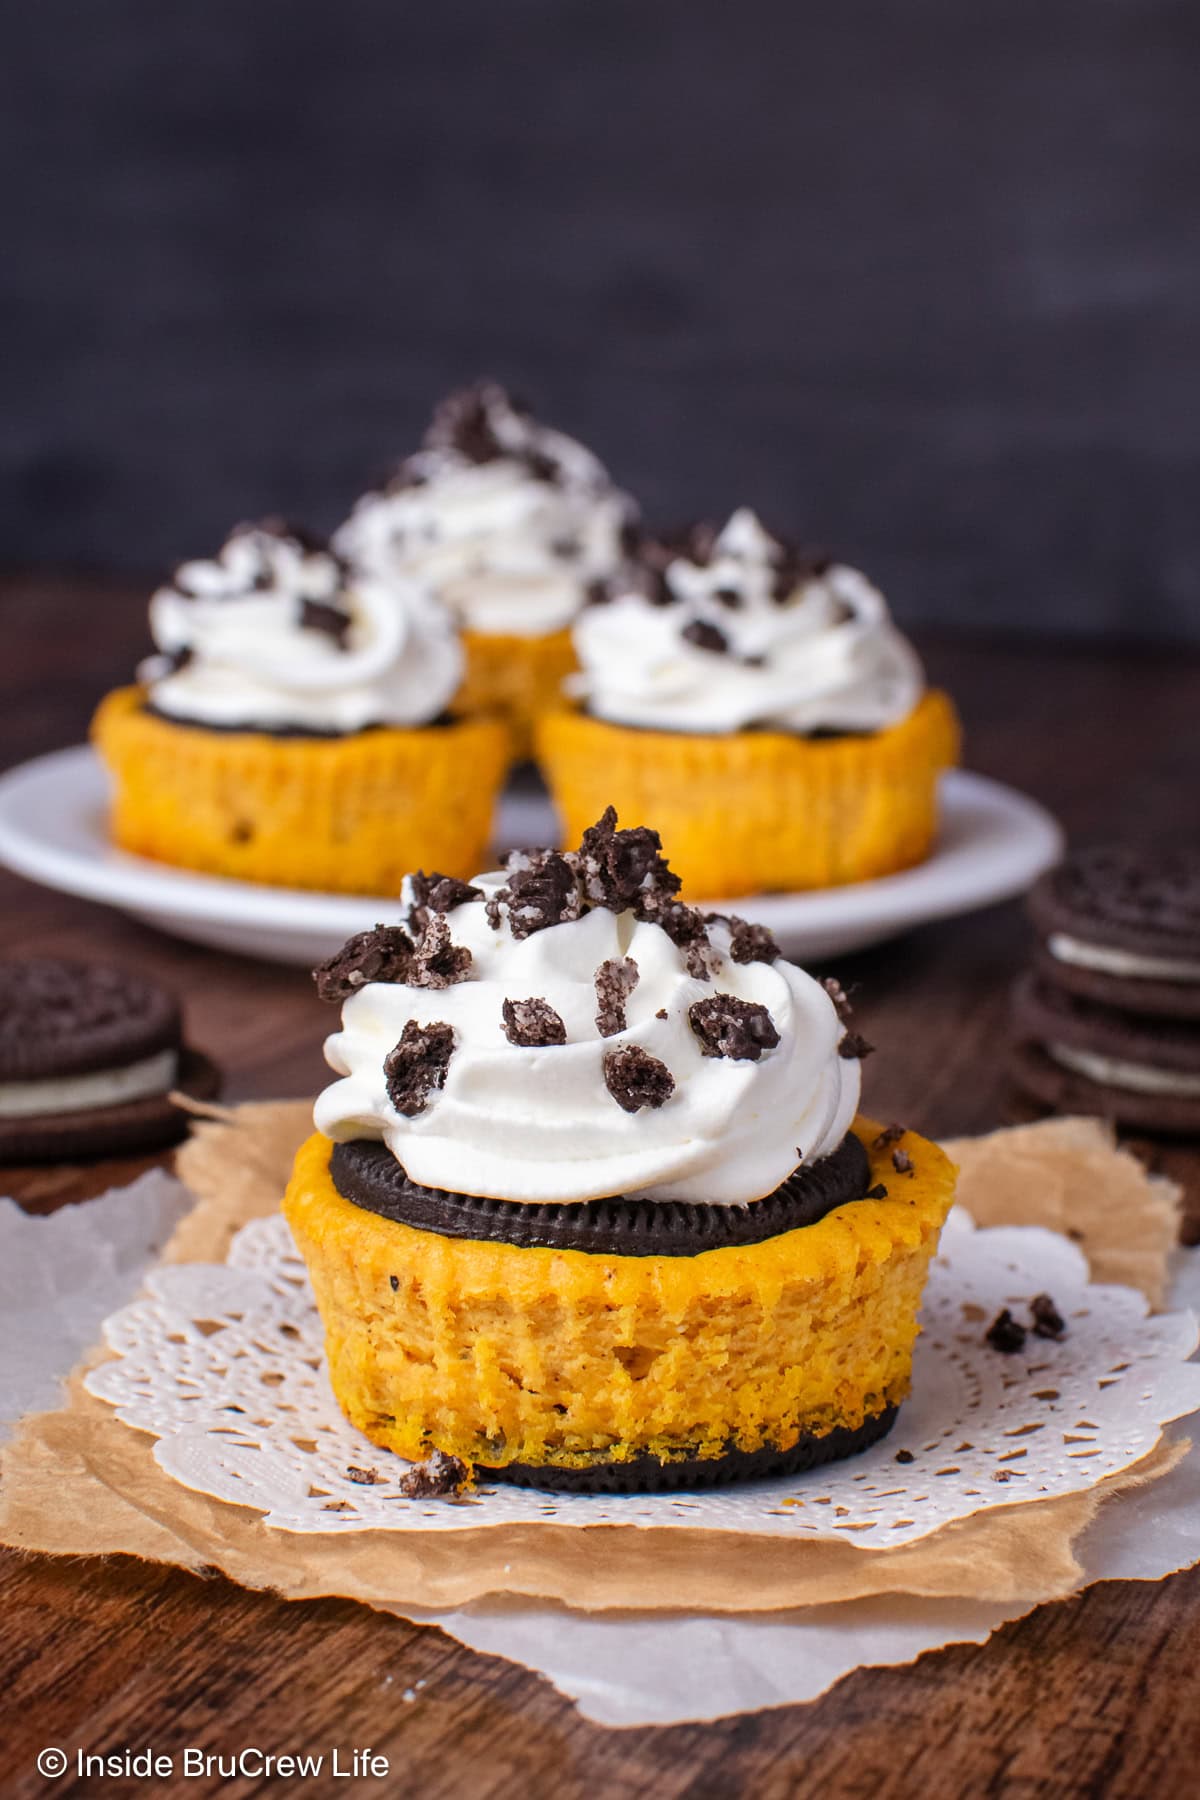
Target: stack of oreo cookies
{"points": [[1108, 1020], [89, 1059]]}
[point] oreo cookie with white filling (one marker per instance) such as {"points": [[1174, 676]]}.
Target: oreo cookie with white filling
{"points": [[89, 1055], [1121, 926], [1079, 1056]]}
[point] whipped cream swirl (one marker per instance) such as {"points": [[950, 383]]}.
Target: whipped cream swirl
{"points": [[588, 1035], [267, 634], [505, 521], [739, 631]]}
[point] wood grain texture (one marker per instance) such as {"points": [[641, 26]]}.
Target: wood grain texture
{"points": [[1098, 1697]]}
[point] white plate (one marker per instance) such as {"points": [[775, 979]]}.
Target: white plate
{"points": [[993, 842]]}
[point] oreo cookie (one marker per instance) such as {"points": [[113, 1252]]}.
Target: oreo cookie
{"points": [[1076, 1055], [368, 1175], [1121, 926], [647, 1474], [239, 727], [88, 1057]]}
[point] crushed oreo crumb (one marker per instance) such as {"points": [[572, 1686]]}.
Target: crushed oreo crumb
{"points": [[730, 597], [532, 1023], [727, 1026], [706, 637], [384, 954], [635, 1079], [687, 930], [854, 1047], [750, 943], [463, 423], [435, 1478], [394, 1282], [661, 1013], [891, 1134], [902, 1162], [541, 892], [905, 1456], [441, 893], [1006, 1334], [316, 615], [793, 567], [878, 1192], [615, 981], [466, 425], [364, 1477], [837, 993], [621, 869], [1048, 1322], [438, 962], [417, 1066]]}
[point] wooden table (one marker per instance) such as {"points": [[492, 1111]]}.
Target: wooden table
{"points": [[1100, 1696]]}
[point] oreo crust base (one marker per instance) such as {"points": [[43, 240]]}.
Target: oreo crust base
{"points": [[648, 1475], [152, 1123], [368, 1175]]}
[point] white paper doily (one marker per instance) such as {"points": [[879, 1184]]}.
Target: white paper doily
{"points": [[224, 1365]]}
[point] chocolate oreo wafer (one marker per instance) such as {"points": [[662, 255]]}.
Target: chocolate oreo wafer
{"points": [[647, 1474], [367, 1174], [1121, 926], [1077, 1055], [88, 1057]]}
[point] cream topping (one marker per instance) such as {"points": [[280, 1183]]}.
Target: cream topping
{"points": [[268, 634], [542, 1122], [80, 1093], [1116, 1071], [739, 632], [1107, 960], [504, 520]]}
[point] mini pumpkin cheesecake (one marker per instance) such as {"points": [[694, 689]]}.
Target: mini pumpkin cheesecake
{"points": [[760, 704], [293, 728], [507, 523], [591, 1204]]}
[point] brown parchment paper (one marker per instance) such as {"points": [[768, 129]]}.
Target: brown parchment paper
{"points": [[77, 1482]]}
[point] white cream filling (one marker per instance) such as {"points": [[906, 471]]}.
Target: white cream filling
{"points": [[1107, 961], [83, 1093], [1114, 1071]]}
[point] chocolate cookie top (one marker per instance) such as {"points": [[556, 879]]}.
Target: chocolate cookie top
{"points": [[368, 1175], [70, 1018], [1113, 896]]}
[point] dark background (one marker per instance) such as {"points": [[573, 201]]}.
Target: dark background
{"points": [[920, 281]]}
